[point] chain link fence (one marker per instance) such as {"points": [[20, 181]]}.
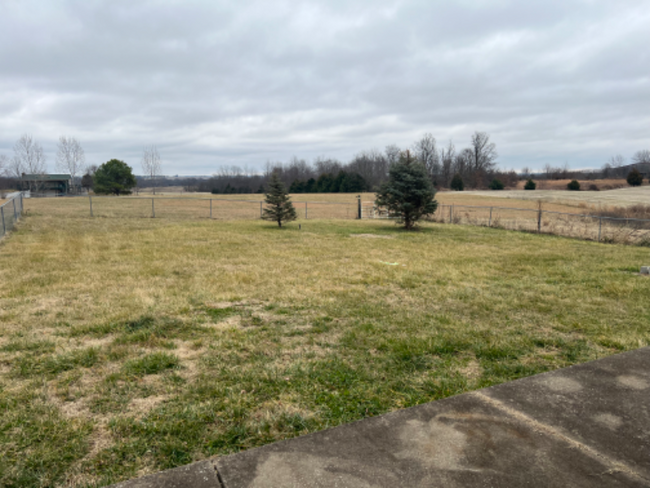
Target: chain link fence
{"points": [[582, 226], [10, 212], [591, 227], [190, 208]]}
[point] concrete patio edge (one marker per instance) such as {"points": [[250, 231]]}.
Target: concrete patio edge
{"points": [[586, 425]]}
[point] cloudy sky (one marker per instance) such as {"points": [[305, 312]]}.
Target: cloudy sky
{"points": [[241, 82]]}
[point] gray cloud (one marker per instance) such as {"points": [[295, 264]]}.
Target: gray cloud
{"points": [[215, 83]]}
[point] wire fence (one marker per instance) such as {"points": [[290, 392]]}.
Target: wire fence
{"points": [[591, 227], [599, 228], [190, 208], [10, 212]]}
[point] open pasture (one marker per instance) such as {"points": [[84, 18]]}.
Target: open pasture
{"points": [[133, 345]]}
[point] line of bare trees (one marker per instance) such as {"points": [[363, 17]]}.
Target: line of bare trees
{"points": [[475, 164]]}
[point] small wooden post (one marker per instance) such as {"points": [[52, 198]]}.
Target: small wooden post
{"points": [[153, 210], [490, 223], [261, 210], [15, 211], [4, 227], [451, 212], [305, 210], [539, 217], [211, 208], [600, 227], [90, 198], [359, 207]]}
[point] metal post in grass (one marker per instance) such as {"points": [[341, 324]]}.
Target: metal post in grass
{"points": [[451, 212], [600, 227], [211, 208], [153, 210], [490, 223], [90, 199], [359, 207], [539, 217], [15, 211], [4, 227], [261, 210], [305, 210]]}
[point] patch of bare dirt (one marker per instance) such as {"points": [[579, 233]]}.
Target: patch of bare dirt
{"points": [[372, 236]]}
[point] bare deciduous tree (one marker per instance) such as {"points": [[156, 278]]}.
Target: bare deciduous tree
{"points": [[70, 158], [28, 158], [151, 165], [426, 152], [392, 154], [484, 154], [447, 157], [641, 157], [4, 164]]}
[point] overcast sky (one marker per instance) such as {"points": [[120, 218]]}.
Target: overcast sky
{"points": [[241, 82]]}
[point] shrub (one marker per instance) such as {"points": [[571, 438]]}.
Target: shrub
{"points": [[530, 185], [593, 187], [457, 183], [497, 185], [634, 178], [573, 185]]}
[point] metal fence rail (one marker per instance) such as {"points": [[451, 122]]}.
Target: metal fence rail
{"points": [[10, 213]]}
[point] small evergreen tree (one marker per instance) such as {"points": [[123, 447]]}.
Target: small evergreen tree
{"points": [[279, 207], [530, 185], [634, 178], [497, 185], [114, 177], [573, 185], [408, 194], [457, 183]]}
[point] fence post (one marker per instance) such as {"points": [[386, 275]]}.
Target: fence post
{"points": [[4, 227], [490, 223], [451, 212], [359, 207], [539, 219], [211, 208], [153, 210], [261, 210], [305, 210], [15, 212], [90, 198], [600, 226]]}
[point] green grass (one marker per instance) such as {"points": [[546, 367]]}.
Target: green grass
{"points": [[133, 345]]}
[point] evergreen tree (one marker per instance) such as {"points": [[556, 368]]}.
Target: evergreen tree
{"points": [[408, 194], [634, 178], [278, 205], [114, 177], [457, 183], [573, 185], [497, 185], [530, 185]]}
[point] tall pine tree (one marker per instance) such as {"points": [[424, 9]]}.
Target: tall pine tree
{"points": [[278, 205]]}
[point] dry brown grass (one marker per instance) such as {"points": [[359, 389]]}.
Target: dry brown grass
{"points": [[136, 344]]}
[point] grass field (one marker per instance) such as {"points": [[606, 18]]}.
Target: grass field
{"points": [[133, 345]]}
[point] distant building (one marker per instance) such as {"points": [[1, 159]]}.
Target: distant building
{"points": [[59, 184]]}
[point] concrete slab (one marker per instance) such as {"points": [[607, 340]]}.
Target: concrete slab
{"points": [[584, 426], [195, 475], [604, 404]]}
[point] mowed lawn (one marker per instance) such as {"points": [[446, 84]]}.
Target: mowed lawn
{"points": [[133, 345]]}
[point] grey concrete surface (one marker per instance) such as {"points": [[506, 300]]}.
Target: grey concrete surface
{"points": [[195, 475], [584, 426]]}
